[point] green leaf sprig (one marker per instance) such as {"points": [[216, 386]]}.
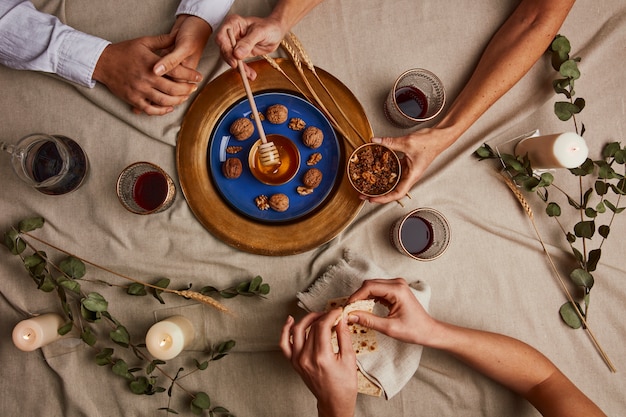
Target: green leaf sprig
{"points": [[67, 279], [601, 183]]}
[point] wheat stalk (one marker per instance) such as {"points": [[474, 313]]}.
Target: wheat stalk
{"points": [[298, 64], [529, 212], [205, 299], [309, 63], [187, 294]]}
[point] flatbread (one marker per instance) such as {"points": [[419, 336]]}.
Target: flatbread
{"points": [[363, 339]]}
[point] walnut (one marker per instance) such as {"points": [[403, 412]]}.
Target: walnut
{"points": [[232, 168], [312, 178], [296, 123], [276, 114], [304, 190], [279, 202], [314, 159], [242, 128], [262, 202], [312, 137], [261, 116], [233, 149]]}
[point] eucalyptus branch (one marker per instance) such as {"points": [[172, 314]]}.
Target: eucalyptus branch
{"points": [[65, 278], [607, 180]]}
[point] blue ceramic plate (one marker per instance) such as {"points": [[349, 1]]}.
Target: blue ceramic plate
{"points": [[241, 192]]}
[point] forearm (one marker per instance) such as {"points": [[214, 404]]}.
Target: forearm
{"points": [[513, 50], [289, 12], [508, 361], [517, 366]]}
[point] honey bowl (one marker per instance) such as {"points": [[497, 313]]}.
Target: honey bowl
{"points": [[373, 169], [275, 174]]}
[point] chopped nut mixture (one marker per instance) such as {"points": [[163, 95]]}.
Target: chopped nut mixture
{"points": [[373, 170]]}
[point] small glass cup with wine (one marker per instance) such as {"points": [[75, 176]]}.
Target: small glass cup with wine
{"points": [[52, 164], [144, 188], [423, 234], [417, 96]]}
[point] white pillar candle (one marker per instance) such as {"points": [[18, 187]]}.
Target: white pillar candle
{"points": [[37, 331], [561, 150], [167, 338]]}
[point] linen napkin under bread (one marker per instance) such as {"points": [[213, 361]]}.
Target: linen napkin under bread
{"points": [[393, 363]]}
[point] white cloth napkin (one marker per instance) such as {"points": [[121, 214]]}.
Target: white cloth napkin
{"points": [[394, 362]]}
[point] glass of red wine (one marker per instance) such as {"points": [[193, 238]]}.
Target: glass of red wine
{"points": [[52, 164], [417, 96], [422, 234], [144, 188]]}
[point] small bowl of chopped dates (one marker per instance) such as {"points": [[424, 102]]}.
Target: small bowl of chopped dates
{"points": [[373, 169]]}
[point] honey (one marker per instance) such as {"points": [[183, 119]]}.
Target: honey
{"points": [[275, 174]]}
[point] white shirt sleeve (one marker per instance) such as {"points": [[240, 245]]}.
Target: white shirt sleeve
{"points": [[32, 40], [212, 11]]}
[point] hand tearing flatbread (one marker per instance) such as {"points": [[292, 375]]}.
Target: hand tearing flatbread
{"points": [[363, 339]]}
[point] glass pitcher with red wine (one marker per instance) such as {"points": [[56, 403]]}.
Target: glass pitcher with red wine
{"points": [[52, 164]]}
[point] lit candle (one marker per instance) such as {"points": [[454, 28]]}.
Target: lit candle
{"points": [[37, 331], [167, 338], [562, 150]]}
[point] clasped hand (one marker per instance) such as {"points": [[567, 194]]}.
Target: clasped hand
{"points": [[155, 73]]}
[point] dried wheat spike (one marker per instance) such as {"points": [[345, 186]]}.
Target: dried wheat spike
{"points": [[520, 197], [205, 299]]}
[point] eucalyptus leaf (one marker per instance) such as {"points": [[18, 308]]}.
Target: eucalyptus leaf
{"points": [[569, 316], [553, 210], [14, 242], [73, 267], [95, 302], [201, 401], [601, 188], [136, 289], [604, 231], [139, 386], [66, 328], [120, 368], [581, 278], [585, 229], [69, 284], [120, 336], [47, 284], [161, 283], [104, 357], [592, 262], [28, 225], [201, 365], [564, 110], [610, 149], [88, 337]]}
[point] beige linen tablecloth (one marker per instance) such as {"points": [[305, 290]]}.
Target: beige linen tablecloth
{"points": [[494, 275]]}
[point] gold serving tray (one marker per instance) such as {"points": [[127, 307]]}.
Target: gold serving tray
{"points": [[315, 229]]}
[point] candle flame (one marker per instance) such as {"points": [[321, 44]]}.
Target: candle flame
{"points": [[163, 343], [27, 335]]}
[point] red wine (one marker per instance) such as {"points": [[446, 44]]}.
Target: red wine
{"points": [[412, 102], [416, 235], [150, 190], [47, 162]]}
